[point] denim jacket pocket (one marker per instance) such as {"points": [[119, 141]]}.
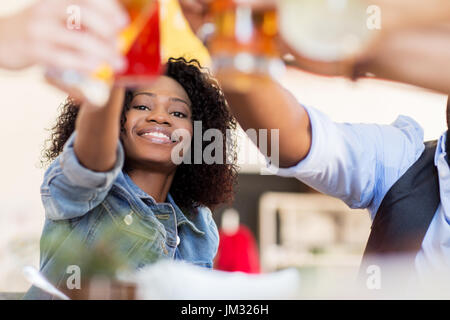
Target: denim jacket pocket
{"points": [[140, 240]]}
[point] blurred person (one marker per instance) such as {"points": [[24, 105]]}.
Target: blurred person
{"points": [[43, 34], [387, 169], [413, 33], [112, 168], [237, 246]]}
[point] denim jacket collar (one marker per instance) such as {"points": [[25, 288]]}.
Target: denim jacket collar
{"points": [[166, 207]]}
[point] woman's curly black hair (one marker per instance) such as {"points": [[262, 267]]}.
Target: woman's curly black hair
{"points": [[194, 184]]}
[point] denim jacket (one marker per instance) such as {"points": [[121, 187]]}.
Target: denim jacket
{"points": [[83, 206]]}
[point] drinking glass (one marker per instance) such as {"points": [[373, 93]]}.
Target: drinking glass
{"points": [[244, 37], [139, 43]]}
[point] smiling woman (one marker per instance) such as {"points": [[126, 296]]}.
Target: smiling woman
{"points": [[111, 182], [206, 103], [154, 115]]}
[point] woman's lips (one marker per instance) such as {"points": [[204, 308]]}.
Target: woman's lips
{"points": [[156, 135]]}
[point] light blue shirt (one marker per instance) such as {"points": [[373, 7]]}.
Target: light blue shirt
{"points": [[359, 163]]}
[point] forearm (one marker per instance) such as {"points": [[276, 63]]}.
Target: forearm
{"points": [[3, 47], [10, 55], [418, 57], [98, 131], [412, 13], [267, 105]]}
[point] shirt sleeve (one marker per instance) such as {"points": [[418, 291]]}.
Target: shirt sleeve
{"points": [[70, 190], [357, 163]]}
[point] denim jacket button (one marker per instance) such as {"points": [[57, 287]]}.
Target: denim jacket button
{"points": [[178, 241], [128, 219]]}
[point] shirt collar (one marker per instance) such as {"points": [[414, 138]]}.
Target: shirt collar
{"points": [[162, 207], [181, 218], [446, 146], [136, 190], [441, 150]]}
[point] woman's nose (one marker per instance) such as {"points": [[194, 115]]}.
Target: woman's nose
{"points": [[158, 115]]}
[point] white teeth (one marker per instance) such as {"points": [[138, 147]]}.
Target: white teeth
{"points": [[156, 135]]}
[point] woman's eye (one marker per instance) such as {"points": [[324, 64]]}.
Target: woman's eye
{"points": [[143, 108], [179, 114]]}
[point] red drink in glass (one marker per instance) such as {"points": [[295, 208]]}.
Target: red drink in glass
{"points": [[141, 42]]}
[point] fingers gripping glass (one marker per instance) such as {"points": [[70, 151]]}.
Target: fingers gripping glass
{"points": [[139, 43]]}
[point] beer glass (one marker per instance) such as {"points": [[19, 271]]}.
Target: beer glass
{"points": [[328, 34], [244, 37]]}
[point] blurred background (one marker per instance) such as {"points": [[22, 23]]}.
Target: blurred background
{"points": [[290, 224]]}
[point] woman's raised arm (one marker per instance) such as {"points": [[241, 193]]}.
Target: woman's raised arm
{"points": [[98, 132]]}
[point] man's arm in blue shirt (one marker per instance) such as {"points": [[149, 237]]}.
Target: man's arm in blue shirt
{"points": [[357, 163]]}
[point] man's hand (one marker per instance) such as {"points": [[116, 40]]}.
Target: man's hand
{"points": [[42, 34]]}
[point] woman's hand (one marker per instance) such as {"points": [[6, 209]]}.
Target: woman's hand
{"points": [[47, 33]]}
